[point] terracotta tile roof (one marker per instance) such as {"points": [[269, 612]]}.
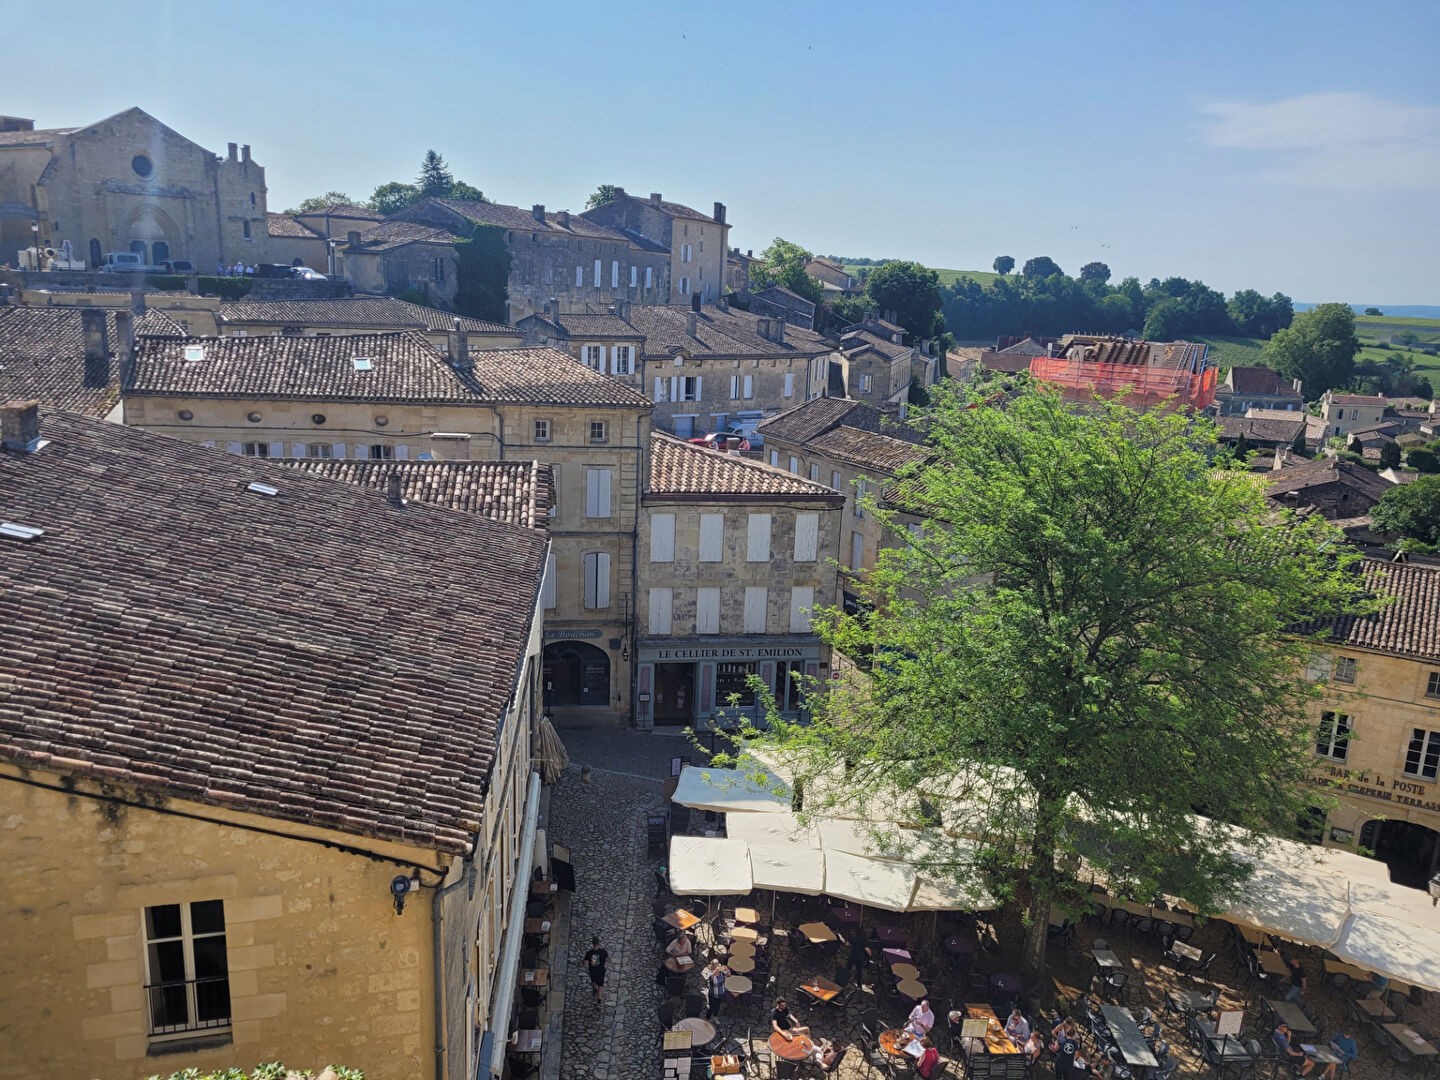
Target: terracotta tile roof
{"points": [[590, 325], [1410, 626], [38, 137], [372, 312], [866, 449], [1260, 380], [299, 656], [674, 209], [403, 367], [42, 356], [1284, 428], [1011, 363], [681, 469], [513, 492], [1327, 471], [807, 421], [859, 340], [389, 235], [718, 333], [519, 220], [283, 225], [1358, 399], [344, 210]]}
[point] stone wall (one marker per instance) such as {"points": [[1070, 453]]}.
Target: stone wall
{"points": [[767, 387]]}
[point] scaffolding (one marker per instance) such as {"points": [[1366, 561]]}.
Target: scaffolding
{"points": [[1189, 383]]}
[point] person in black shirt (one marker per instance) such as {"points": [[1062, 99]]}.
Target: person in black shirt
{"points": [[595, 961], [784, 1023], [856, 959]]}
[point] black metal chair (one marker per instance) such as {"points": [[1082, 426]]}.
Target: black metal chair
{"points": [[694, 1004], [671, 1011]]}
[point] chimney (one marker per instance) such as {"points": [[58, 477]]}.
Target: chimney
{"points": [[654, 198], [97, 347], [538, 212], [125, 344], [749, 253], [622, 309], [723, 303], [352, 239], [392, 490], [762, 327], [779, 325], [563, 219], [459, 342], [245, 154], [720, 212], [20, 426], [690, 320], [231, 152], [137, 301], [695, 302], [732, 444]]}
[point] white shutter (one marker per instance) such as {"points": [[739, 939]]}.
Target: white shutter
{"points": [[662, 538], [579, 277], [734, 387], [775, 458], [208, 442], [749, 387], [789, 390], [297, 449], [235, 448], [597, 493], [277, 449], [794, 464], [699, 393], [707, 611], [660, 605], [597, 273], [756, 597], [807, 537], [547, 589], [634, 273], [338, 449], [649, 276], [857, 551], [402, 453], [659, 388], [602, 579], [712, 537], [758, 546], [674, 387], [802, 599], [815, 473], [614, 273]]}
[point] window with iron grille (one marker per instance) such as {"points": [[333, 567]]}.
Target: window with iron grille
{"points": [[187, 976]]}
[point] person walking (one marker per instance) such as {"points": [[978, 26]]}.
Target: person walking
{"points": [[595, 961], [715, 975]]}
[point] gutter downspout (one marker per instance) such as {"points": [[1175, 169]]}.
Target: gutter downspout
{"points": [[438, 967], [514, 927]]}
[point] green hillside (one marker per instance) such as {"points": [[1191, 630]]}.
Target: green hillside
{"points": [[1378, 327], [1231, 352]]}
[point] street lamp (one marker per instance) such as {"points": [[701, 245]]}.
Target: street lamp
{"points": [[35, 245]]}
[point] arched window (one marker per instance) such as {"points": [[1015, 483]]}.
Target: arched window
{"points": [[252, 198]]}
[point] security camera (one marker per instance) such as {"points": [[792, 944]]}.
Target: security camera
{"points": [[400, 886]]}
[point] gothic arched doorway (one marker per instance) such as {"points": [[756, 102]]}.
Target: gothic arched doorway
{"points": [[576, 674], [1408, 849]]}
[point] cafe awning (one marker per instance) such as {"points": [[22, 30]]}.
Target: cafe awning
{"points": [[788, 867], [1393, 930], [873, 882], [727, 791], [780, 828], [709, 866]]}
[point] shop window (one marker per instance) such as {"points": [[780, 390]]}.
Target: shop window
{"points": [[732, 683]]}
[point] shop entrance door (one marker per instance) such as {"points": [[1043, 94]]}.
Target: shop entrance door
{"points": [[674, 694], [1407, 848], [576, 674]]}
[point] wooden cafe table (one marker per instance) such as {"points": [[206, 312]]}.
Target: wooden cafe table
{"points": [[681, 919], [795, 1048], [816, 932], [820, 988]]}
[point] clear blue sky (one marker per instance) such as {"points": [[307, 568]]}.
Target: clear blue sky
{"points": [[1279, 146]]}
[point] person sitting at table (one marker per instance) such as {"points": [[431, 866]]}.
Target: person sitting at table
{"points": [[1344, 1044], [1017, 1027], [784, 1023], [679, 946], [1378, 985], [1034, 1047], [825, 1054], [921, 1019], [1296, 1058], [1298, 985], [928, 1063], [1080, 1069]]}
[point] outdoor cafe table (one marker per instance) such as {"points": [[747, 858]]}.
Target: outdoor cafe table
{"points": [[846, 916], [681, 919], [996, 1041], [747, 916], [1271, 961], [913, 989], [1291, 1014], [679, 965], [527, 1041], [537, 926], [1186, 952], [1251, 936], [1004, 983], [905, 971], [795, 1048], [1133, 1047], [1189, 1001], [1105, 958], [816, 932], [543, 888], [742, 948], [744, 933], [896, 956], [1376, 1010], [889, 935], [1410, 1039], [702, 1032], [535, 977], [894, 1040], [1339, 967], [819, 988], [738, 984], [960, 945], [741, 965]]}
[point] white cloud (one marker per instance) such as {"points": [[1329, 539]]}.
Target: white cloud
{"points": [[1350, 141]]}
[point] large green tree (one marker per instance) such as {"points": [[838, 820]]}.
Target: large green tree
{"points": [[436, 179], [1041, 266], [319, 202], [783, 264], [1411, 511], [1086, 645], [605, 193], [393, 197], [911, 291], [1318, 347], [1003, 264]]}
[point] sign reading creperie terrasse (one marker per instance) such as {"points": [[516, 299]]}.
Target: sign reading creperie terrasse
{"points": [[1385, 788], [735, 654]]}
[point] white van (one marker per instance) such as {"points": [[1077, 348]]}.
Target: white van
{"points": [[124, 262]]}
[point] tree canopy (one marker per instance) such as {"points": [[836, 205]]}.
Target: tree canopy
{"points": [[783, 264], [435, 181], [1411, 511], [319, 202], [1258, 316], [1095, 271], [1318, 348], [1087, 644], [911, 291], [603, 194], [1003, 264], [393, 197], [1041, 266]]}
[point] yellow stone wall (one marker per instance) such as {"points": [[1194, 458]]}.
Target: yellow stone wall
{"points": [[321, 967]]}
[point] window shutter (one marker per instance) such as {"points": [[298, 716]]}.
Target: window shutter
{"points": [[597, 493], [604, 492], [775, 458], [649, 276], [749, 387], [835, 480], [235, 448], [756, 597], [547, 590], [338, 449], [734, 387], [614, 273], [712, 537], [277, 449], [857, 551], [758, 546], [699, 394], [802, 600], [597, 273], [815, 473], [634, 273], [402, 453], [674, 387], [297, 449], [789, 390], [707, 611], [794, 464], [659, 388], [662, 538], [807, 537], [602, 579], [660, 606], [579, 277]]}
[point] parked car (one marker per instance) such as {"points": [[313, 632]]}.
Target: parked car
{"points": [[746, 430], [177, 266], [716, 440], [273, 270], [125, 262], [304, 273]]}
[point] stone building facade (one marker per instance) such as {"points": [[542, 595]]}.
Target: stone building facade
{"points": [[734, 556], [1343, 413], [129, 183], [306, 397], [349, 315], [697, 244], [876, 367], [229, 880], [1377, 730], [556, 256]]}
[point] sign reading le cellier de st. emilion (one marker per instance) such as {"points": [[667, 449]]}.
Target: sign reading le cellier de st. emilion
{"points": [[737, 653], [1385, 788]]}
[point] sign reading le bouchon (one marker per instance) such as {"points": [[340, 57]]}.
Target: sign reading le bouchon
{"points": [[1375, 786]]}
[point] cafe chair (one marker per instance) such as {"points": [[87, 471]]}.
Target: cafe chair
{"points": [[871, 1025], [674, 985], [694, 1004], [531, 997], [520, 1067], [527, 1019], [670, 1012], [876, 1060]]}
